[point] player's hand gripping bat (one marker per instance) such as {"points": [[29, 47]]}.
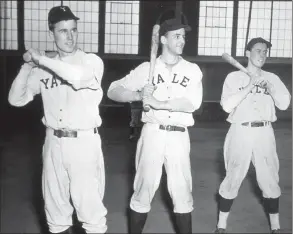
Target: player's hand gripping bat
{"points": [[153, 56], [235, 63]]}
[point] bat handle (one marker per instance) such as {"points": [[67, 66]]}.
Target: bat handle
{"points": [[27, 57], [146, 108]]}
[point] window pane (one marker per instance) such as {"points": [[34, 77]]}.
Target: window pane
{"points": [[260, 25], [215, 27], [282, 35], [8, 25], [121, 29]]}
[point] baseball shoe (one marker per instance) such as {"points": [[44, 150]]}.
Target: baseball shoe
{"points": [[220, 230], [276, 231]]}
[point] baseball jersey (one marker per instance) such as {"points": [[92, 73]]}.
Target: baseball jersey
{"points": [[71, 102], [258, 105], [184, 80]]}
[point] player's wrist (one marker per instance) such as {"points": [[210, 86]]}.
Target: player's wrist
{"points": [[137, 96]]}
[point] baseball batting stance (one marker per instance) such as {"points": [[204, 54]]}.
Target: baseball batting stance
{"points": [[164, 138], [73, 164], [250, 101]]}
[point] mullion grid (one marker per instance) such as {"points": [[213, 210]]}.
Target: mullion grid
{"points": [[8, 25], [215, 27], [36, 25], [121, 27], [263, 13]]}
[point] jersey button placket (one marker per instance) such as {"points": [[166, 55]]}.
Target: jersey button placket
{"points": [[168, 89], [60, 114]]}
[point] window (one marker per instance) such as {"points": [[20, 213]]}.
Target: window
{"points": [[215, 27], [273, 22], [36, 24], [8, 25], [121, 27], [281, 37]]}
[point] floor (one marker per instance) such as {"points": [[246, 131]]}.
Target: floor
{"points": [[21, 203]]}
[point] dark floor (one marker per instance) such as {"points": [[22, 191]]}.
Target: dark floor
{"points": [[21, 204]]}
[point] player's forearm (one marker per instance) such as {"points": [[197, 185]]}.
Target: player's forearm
{"points": [[281, 99], [17, 92], [80, 77], [175, 105], [121, 94], [232, 101]]}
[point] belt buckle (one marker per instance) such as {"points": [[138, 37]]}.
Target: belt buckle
{"points": [[58, 133], [168, 128]]}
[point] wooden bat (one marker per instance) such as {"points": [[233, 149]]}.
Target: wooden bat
{"points": [[234, 62], [153, 57]]}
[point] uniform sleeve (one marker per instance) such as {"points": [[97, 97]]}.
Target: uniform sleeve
{"points": [[25, 86], [280, 93], [195, 91], [85, 75], [135, 80], [94, 63], [230, 88]]}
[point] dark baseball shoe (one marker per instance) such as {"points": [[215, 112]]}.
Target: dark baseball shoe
{"points": [[276, 231], [220, 230]]}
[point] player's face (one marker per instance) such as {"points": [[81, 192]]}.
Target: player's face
{"points": [[65, 36], [175, 41], [258, 54]]}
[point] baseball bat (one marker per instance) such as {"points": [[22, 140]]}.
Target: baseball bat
{"points": [[228, 58], [153, 56], [27, 57]]}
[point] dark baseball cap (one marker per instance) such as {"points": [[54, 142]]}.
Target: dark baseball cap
{"points": [[60, 13], [169, 22], [256, 40]]}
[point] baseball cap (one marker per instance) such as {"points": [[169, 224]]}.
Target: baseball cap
{"points": [[256, 40], [59, 13], [169, 22]]}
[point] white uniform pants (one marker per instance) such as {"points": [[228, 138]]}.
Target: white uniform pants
{"points": [[156, 148], [74, 167], [244, 144]]}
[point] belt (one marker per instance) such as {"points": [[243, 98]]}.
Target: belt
{"points": [[72, 133], [172, 128], [256, 124]]}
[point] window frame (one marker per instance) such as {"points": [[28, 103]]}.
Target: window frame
{"points": [[242, 59], [139, 56]]}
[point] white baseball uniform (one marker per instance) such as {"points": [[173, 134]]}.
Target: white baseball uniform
{"points": [[245, 142], [72, 166], [156, 146]]}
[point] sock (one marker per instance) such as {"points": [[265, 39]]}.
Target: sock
{"points": [[274, 220], [223, 216]]}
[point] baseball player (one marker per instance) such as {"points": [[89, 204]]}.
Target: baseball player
{"points": [[73, 164], [250, 102], [174, 93]]}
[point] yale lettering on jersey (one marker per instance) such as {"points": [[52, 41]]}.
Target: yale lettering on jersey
{"points": [[53, 82], [183, 81], [258, 89]]}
